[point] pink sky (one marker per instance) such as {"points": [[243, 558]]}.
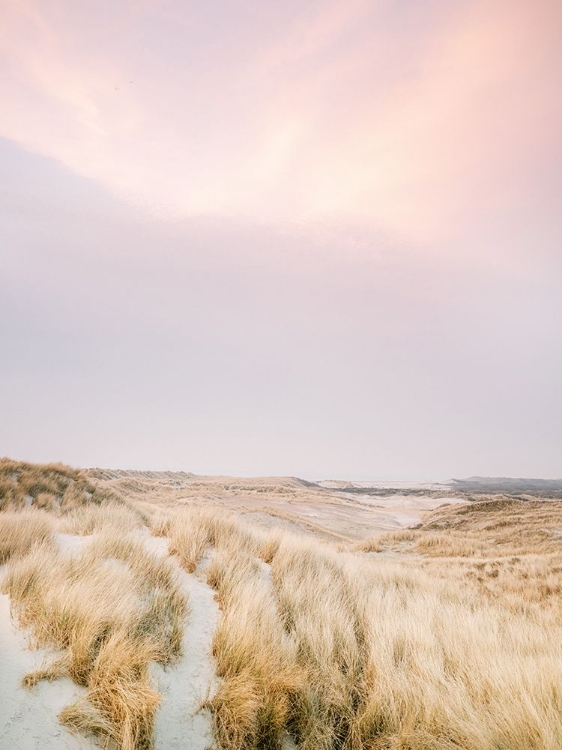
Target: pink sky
{"points": [[388, 174]]}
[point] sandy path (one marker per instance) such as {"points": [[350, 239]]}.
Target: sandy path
{"points": [[179, 722], [29, 718]]}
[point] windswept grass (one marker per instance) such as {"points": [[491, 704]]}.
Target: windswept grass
{"points": [[56, 488], [111, 610], [345, 651], [89, 519], [506, 527], [19, 532], [190, 535], [451, 642], [52, 485], [193, 529], [256, 659]]}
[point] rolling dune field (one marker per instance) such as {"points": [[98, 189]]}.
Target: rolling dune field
{"points": [[164, 610]]}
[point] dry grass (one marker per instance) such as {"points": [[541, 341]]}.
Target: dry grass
{"points": [[190, 534], [256, 659], [508, 550], [193, 529], [89, 519], [164, 486], [55, 488], [371, 544], [45, 485], [111, 610], [449, 545], [19, 532], [341, 650], [506, 527], [494, 528], [454, 643]]}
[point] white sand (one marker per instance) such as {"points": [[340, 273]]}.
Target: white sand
{"points": [[71, 543], [180, 723]]}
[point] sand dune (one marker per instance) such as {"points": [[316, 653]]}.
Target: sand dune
{"points": [[289, 614]]}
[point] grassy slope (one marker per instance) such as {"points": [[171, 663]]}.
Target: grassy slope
{"points": [[446, 636]]}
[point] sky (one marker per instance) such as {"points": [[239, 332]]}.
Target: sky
{"points": [[310, 238]]}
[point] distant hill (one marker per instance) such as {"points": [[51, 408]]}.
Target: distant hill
{"points": [[509, 485]]}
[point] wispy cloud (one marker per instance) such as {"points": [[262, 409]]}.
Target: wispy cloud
{"points": [[403, 119]]}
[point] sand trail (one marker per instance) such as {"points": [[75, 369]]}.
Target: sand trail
{"points": [[180, 722]]}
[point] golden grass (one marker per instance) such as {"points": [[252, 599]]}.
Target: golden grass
{"points": [[193, 529], [52, 485], [493, 528], [255, 658], [89, 519], [508, 550], [112, 609], [56, 488], [454, 643], [506, 527], [371, 544], [190, 534], [19, 532], [341, 650]]}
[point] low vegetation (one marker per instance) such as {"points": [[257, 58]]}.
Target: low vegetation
{"points": [[90, 519], [54, 487], [110, 610], [256, 659], [49, 485], [443, 637], [20, 532], [343, 650]]}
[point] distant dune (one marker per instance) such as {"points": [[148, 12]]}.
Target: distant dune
{"points": [[510, 485]]}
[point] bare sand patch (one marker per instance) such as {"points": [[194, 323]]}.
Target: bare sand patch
{"points": [[71, 543]]}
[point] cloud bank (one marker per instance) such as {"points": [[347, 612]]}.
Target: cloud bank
{"points": [[319, 239]]}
